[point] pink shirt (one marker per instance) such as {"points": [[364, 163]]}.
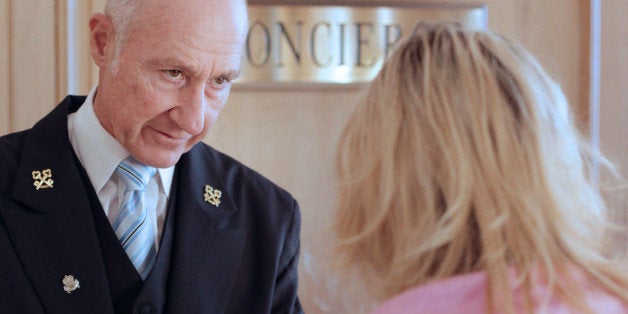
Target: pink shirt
{"points": [[467, 294]]}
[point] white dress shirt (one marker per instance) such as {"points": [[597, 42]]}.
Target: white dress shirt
{"points": [[100, 153]]}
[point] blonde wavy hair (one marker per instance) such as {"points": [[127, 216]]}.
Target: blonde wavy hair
{"points": [[464, 157]]}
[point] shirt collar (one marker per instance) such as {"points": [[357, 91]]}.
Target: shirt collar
{"points": [[98, 151]]}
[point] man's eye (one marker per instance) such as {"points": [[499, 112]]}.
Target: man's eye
{"points": [[174, 74], [222, 80]]}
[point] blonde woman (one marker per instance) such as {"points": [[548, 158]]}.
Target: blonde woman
{"points": [[464, 186]]}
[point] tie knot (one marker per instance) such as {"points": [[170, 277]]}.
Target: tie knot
{"points": [[135, 174]]}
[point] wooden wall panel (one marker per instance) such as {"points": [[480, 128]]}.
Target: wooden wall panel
{"points": [[81, 73], [5, 82], [33, 61], [557, 33], [62, 37], [614, 101], [81, 69], [44, 54], [290, 135]]}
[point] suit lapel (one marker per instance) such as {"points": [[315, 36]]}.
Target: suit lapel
{"points": [[206, 253], [52, 227]]}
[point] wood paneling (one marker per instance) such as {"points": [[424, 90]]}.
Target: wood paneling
{"points": [[614, 101], [44, 54], [82, 73], [557, 33], [5, 82], [33, 61], [81, 78]]}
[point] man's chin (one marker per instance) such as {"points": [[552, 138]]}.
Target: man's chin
{"points": [[159, 159]]}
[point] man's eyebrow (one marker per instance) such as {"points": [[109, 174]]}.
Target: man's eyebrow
{"points": [[173, 63], [232, 75], [176, 64]]}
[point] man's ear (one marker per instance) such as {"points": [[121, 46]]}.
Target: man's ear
{"points": [[102, 38]]}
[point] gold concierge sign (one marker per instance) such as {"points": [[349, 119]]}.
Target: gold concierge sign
{"points": [[335, 44]]}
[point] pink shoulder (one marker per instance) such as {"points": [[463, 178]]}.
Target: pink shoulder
{"points": [[460, 294]]}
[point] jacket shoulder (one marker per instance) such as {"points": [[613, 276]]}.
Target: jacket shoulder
{"points": [[11, 147], [235, 172]]}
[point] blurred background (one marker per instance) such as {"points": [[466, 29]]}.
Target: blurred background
{"points": [[287, 127]]}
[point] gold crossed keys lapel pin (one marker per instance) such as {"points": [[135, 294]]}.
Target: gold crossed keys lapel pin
{"points": [[212, 195], [42, 179]]}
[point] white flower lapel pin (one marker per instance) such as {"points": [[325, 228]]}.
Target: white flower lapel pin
{"points": [[70, 283]]}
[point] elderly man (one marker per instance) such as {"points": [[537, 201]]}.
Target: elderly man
{"points": [[110, 204]]}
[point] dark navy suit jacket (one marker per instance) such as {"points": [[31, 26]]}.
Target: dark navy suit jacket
{"points": [[239, 257]]}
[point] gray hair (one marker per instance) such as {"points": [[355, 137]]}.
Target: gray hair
{"points": [[121, 13]]}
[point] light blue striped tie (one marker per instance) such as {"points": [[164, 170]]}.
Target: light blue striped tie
{"points": [[132, 225]]}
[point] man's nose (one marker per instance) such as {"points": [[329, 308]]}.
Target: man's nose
{"points": [[190, 113]]}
